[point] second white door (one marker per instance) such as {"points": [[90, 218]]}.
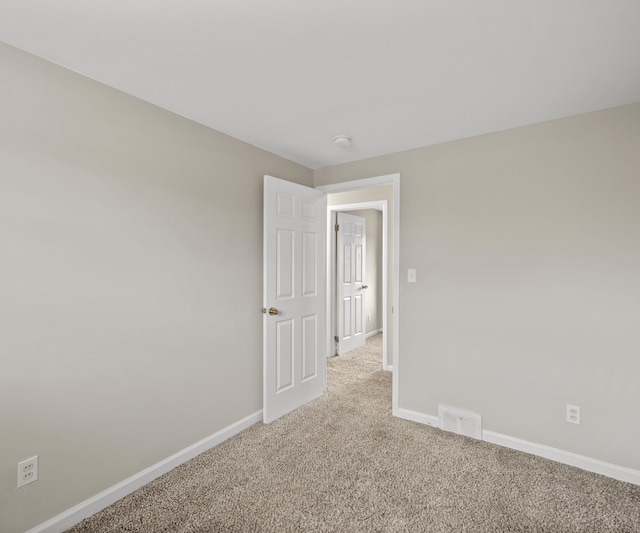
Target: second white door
{"points": [[350, 281]]}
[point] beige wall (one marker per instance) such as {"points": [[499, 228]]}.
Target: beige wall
{"points": [[130, 285], [371, 194], [527, 250]]}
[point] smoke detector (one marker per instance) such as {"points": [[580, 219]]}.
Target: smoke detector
{"points": [[342, 140]]}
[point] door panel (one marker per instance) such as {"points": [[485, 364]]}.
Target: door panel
{"points": [[358, 273], [357, 319], [284, 265], [284, 354], [350, 281], [347, 267], [346, 318], [309, 347], [309, 264], [294, 286]]}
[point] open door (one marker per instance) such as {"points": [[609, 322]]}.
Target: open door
{"points": [[294, 298], [350, 281]]}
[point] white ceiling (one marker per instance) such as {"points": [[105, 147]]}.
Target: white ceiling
{"points": [[288, 76]]}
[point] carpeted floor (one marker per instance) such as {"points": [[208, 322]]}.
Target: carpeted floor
{"points": [[343, 463]]}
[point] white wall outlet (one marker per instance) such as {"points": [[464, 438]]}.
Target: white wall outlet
{"points": [[27, 471], [411, 275], [369, 318], [573, 414]]}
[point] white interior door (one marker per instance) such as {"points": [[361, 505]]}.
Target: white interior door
{"points": [[294, 368], [350, 281]]}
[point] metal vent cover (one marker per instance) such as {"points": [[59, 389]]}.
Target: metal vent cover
{"points": [[462, 422]]}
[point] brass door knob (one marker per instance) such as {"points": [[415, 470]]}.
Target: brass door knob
{"points": [[273, 311]]}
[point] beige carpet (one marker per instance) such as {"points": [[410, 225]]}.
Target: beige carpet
{"points": [[343, 463]]}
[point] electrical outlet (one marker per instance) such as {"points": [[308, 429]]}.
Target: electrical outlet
{"points": [[368, 318], [573, 414], [27, 471]]}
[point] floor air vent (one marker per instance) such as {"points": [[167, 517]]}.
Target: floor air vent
{"points": [[461, 422]]}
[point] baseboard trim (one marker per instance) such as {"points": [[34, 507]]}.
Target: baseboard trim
{"points": [[421, 418], [618, 472], [79, 512], [589, 464], [372, 333]]}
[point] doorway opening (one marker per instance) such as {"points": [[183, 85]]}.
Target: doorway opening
{"points": [[374, 312], [382, 192]]}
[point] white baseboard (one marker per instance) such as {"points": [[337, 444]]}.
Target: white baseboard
{"points": [[421, 418], [388, 368], [372, 333], [589, 464], [79, 512], [621, 473]]}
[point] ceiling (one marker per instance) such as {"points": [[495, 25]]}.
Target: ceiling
{"points": [[288, 76]]}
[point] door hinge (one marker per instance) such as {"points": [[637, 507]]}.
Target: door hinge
{"points": [[336, 338], [337, 227]]}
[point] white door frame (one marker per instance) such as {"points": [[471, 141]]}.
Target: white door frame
{"points": [[378, 205], [394, 180]]}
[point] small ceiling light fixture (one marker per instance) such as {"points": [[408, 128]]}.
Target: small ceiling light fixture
{"points": [[342, 140]]}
